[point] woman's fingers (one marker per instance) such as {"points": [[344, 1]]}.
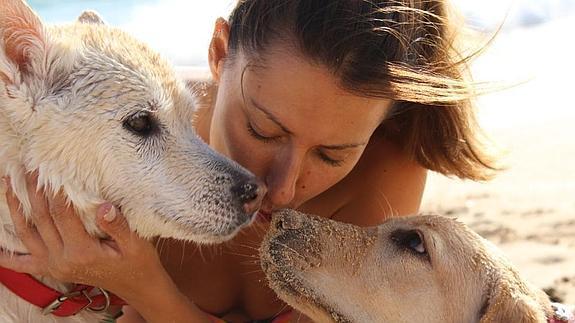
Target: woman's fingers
{"points": [[19, 263], [61, 248], [41, 213], [25, 231], [113, 223], [69, 224]]}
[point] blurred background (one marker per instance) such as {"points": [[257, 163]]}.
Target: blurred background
{"points": [[529, 209], [182, 29]]}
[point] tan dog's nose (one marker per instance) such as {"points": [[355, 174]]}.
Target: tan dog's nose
{"points": [[250, 195], [289, 221]]}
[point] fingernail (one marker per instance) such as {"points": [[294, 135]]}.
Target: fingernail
{"points": [[109, 212]]}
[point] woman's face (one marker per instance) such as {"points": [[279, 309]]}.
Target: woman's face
{"points": [[290, 124]]}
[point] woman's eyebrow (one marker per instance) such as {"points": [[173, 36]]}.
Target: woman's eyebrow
{"points": [[344, 146], [271, 116]]}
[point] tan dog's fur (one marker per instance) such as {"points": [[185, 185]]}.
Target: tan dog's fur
{"points": [[66, 95], [337, 272]]}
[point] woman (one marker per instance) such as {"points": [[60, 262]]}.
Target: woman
{"points": [[340, 107]]}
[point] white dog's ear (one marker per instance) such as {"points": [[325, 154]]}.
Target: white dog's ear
{"points": [[514, 304], [22, 39], [90, 17]]}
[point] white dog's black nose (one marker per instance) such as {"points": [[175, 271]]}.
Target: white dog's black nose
{"points": [[250, 195]]}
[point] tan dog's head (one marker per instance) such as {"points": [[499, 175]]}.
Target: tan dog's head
{"points": [[101, 116], [409, 269]]}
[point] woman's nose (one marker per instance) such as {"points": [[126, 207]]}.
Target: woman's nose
{"points": [[281, 182]]}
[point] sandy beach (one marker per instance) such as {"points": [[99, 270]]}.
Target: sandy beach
{"points": [[529, 209]]}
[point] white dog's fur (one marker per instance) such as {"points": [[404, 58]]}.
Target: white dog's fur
{"points": [[428, 269], [70, 97]]}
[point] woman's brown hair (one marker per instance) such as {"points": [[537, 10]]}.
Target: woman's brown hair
{"points": [[396, 49]]}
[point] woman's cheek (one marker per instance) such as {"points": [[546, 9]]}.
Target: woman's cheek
{"points": [[242, 148], [317, 178]]}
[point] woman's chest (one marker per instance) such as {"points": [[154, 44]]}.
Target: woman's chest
{"points": [[225, 280]]}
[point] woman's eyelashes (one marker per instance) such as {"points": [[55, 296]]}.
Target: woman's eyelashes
{"points": [[328, 160], [254, 133], [271, 139]]}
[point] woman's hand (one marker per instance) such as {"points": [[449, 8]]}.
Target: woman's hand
{"points": [[60, 247], [127, 265]]}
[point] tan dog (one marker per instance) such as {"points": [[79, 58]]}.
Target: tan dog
{"points": [[409, 269], [102, 117]]}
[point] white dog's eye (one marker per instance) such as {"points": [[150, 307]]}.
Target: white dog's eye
{"points": [[409, 239], [140, 124]]}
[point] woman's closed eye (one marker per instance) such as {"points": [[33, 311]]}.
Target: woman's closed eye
{"points": [[325, 157], [330, 160], [259, 136]]}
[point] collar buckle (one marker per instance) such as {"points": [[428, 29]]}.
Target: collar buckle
{"points": [[80, 293], [63, 298]]}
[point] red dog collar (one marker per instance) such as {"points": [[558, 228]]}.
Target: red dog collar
{"points": [[54, 302]]}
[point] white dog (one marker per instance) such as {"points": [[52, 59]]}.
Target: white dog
{"points": [[102, 117], [428, 269]]}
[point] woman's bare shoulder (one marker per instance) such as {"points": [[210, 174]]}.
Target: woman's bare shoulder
{"points": [[193, 73], [199, 81]]}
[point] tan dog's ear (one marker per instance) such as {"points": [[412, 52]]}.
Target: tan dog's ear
{"points": [[508, 304], [22, 37], [90, 17]]}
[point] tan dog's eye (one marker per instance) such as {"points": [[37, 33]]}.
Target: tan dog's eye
{"points": [[409, 239]]}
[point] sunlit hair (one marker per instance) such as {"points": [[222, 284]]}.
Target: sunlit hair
{"points": [[401, 50]]}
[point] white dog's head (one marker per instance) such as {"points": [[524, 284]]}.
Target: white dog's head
{"points": [[409, 269], [101, 116]]}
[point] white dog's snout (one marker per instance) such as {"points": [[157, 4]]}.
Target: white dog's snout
{"points": [[250, 194]]}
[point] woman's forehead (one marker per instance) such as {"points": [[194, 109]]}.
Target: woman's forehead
{"points": [[301, 94], [293, 77]]}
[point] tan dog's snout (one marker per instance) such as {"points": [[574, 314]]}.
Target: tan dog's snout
{"points": [[287, 221]]}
